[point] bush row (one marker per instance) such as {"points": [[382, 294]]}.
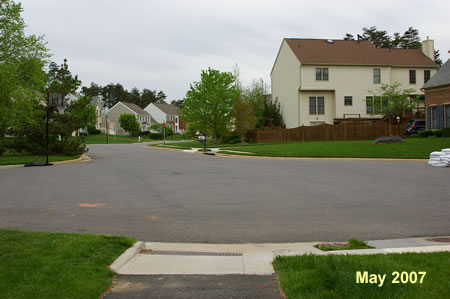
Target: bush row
{"points": [[432, 133]]}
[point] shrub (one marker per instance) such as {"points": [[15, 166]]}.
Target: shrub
{"points": [[437, 133], [446, 132], [425, 133], [231, 138], [413, 136], [169, 131], [388, 139], [92, 130], [156, 136], [74, 146]]}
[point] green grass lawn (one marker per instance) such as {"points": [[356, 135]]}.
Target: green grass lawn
{"points": [[112, 139], [57, 265], [334, 276], [418, 148], [16, 159]]}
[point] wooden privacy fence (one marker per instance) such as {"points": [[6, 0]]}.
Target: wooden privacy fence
{"points": [[324, 132]]}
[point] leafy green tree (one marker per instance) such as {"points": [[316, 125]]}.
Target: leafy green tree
{"points": [[60, 79], [209, 102], [114, 93], [129, 123], [156, 127], [392, 101], [379, 38], [92, 91], [22, 58], [349, 36], [410, 39], [82, 113], [178, 103]]}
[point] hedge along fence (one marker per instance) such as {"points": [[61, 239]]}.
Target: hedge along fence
{"points": [[325, 132]]}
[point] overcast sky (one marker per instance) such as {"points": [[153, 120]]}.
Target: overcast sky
{"points": [[165, 44]]}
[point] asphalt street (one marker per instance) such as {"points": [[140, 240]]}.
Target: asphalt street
{"points": [[194, 286], [170, 196]]}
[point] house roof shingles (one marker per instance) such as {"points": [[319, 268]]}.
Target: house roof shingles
{"points": [[135, 108], [441, 78], [168, 108], [351, 52]]}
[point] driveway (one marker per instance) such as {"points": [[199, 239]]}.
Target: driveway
{"points": [[169, 196]]}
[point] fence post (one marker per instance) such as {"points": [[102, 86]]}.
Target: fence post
{"points": [[345, 132]]}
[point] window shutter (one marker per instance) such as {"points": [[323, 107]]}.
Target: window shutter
{"points": [[441, 116], [429, 118]]}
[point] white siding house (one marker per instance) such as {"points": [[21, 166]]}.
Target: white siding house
{"points": [[166, 114], [144, 119], [324, 81]]}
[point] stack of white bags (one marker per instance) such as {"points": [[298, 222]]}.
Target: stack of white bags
{"points": [[440, 159]]}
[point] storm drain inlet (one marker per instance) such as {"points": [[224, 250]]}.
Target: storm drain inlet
{"points": [[191, 253]]}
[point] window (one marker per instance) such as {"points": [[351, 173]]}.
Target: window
{"points": [[412, 76], [435, 119], [320, 105], [376, 76], [447, 116], [322, 74], [426, 76], [325, 74], [312, 105], [369, 105], [316, 105], [348, 101]]}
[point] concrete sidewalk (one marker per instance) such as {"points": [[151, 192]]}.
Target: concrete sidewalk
{"points": [[182, 270], [244, 259]]}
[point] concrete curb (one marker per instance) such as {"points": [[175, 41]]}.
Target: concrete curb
{"points": [[127, 256], [255, 259], [83, 158]]}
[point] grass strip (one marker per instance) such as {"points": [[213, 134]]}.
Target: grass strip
{"points": [[350, 245], [57, 265], [16, 159], [410, 149], [335, 276]]}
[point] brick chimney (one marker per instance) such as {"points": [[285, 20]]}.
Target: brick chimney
{"points": [[428, 48]]}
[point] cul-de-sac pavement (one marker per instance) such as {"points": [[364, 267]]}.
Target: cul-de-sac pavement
{"points": [[171, 196]]}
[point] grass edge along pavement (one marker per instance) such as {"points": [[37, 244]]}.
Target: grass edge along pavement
{"points": [[57, 265], [335, 276], [352, 244], [415, 148], [118, 139], [17, 159]]}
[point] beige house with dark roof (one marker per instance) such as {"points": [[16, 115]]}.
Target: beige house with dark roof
{"points": [[144, 119], [167, 114], [325, 81]]}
